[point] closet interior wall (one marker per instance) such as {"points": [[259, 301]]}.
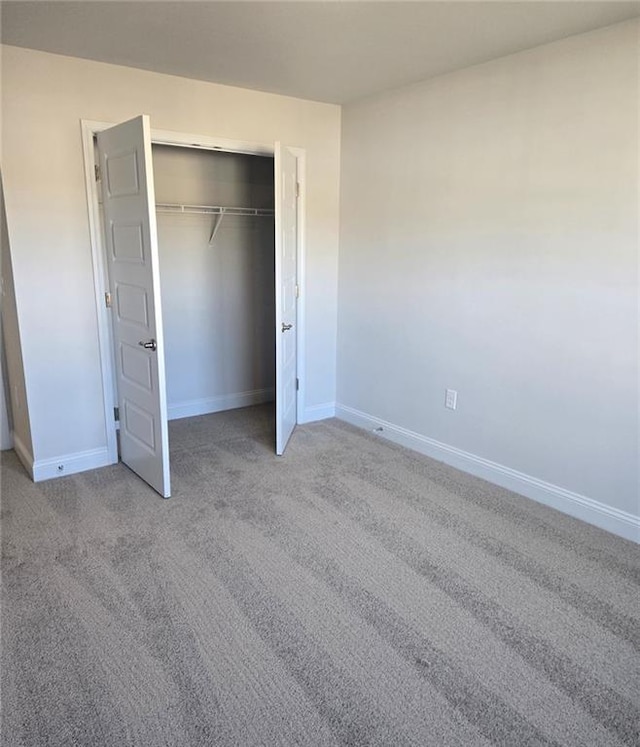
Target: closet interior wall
{"points": [[218, 296]]}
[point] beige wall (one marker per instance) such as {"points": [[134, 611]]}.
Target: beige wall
{"points": [[489, 244], [44, 97]]}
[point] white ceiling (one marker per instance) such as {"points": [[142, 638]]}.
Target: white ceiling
{"points": [[327, 51]]}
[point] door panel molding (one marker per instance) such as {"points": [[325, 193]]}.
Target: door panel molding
{"points": [[286, 282], [126, 168]]}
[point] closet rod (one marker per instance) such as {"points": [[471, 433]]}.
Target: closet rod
{"points": [[166, 207]]}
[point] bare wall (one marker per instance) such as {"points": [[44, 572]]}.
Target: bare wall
{"points": [[489, 244], [44, 96]]}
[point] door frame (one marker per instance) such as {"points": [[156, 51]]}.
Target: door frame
{"points": [[89, 129]]}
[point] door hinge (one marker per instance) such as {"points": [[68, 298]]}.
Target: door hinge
{"points": [[116, 414], [297, 385], [297, 291], [297, 189], [107, 299], [96, 170]]}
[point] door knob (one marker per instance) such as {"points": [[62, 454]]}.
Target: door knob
{"points": [[286, 327], [150, 345]]}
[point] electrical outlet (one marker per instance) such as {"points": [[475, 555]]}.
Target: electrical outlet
{"points": [[451, 399]]}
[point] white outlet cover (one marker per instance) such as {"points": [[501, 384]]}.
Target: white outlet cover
{"points": [[451, 399]]}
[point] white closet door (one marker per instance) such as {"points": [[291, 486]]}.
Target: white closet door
{"points": [[286, 220], [132, 250]]}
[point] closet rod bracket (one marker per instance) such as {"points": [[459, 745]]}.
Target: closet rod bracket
{"points": [[216, 226]]}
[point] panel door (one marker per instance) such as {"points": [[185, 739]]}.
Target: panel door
{"points": [[132, 251], [286, 227]]}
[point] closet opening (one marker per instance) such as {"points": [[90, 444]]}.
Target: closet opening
{"points": [[215, 224]]}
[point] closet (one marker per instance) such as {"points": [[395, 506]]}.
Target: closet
{"points": [[200, 260], [215, 223]]}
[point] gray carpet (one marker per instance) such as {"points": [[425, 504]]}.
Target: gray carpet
{"points": [[349, 593]]}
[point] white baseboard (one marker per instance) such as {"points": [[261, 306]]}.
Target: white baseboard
{"points": [[24, 455], [208, 405], [318, 412], [599, 514], [69, 464]]}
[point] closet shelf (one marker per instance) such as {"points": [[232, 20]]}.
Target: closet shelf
{"points": [[167, 207]]}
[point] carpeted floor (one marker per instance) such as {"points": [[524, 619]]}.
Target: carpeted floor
{"points": [[348, 593]]}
